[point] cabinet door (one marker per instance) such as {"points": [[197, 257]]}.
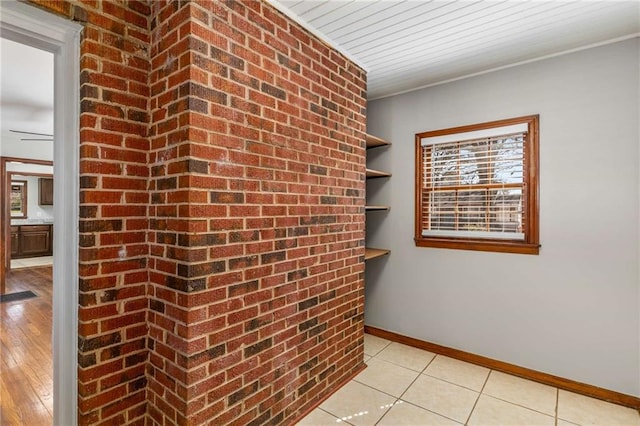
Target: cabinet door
{"points": [[15, 248], [45, 191], [35, 240]]}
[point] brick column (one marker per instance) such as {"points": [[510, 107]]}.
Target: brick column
{"points": [[222, 213], [257, 218]]}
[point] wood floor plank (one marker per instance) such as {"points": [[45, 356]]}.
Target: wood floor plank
{"points": [[9, 412], [26, 370]]}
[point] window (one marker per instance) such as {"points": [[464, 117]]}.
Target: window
{"points": [[477, 187], [18, 199]]}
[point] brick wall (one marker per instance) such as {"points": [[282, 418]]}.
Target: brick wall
{"points": [[114, 150], [256, 217], [172, 232], [222, 214]]}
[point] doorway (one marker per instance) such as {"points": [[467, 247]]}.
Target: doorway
{"points": [[33, 27], [26, 153], [29, 199], [27, 203]]}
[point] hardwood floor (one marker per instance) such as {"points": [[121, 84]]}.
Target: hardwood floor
{"points": [[26, 367]]}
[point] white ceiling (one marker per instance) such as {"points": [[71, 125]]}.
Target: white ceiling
{"points": [[26, 99], [405, 45], [26, 87]]}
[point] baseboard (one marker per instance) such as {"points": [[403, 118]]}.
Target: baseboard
{"points": [[525, 373], [308, 411]]}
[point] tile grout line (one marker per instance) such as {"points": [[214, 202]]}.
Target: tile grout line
{"points": [[389, 342], [400, 365], [451, 383], [421, 372], [364, 384], [521, 405], [399, 398], [339, 419], [478, 398], [557, 403]]}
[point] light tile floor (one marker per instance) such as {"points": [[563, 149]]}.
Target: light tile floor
{"points": [[405, 386], [31, 262]]}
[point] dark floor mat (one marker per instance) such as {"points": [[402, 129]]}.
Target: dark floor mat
{"points": [[20, 295]]}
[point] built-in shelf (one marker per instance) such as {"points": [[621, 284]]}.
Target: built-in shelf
{"points": [[372, 208], [372, 253], [372, 174], [374, 141]]}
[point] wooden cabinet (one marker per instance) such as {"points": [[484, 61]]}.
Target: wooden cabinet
{"points": [[31, 241], [14, 241], [45, 191]]}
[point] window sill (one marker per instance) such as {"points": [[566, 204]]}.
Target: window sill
{"points": [[500, 246]]}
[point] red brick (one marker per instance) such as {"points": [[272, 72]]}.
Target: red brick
{"points": [[228, 124]]}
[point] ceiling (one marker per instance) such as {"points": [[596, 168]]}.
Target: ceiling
{"points": [[26, 88], [403, 44], [406, 45], [26, 100]]}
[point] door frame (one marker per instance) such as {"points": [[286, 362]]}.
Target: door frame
{"points": [[29, 25], [5, 216]]}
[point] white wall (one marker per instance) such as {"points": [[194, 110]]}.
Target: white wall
{"points": [[34, 210], [12, 146], [573, 310]]}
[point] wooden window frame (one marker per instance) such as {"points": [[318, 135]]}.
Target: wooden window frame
{"points": [[531, 189], [23, 214]]}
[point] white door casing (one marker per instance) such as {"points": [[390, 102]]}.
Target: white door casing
{"points": [[31, 26]]}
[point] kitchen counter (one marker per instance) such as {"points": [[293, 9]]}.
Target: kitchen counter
{"points": [[47, 221]]}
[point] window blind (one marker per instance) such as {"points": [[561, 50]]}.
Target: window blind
{"points": [[473, 184]]}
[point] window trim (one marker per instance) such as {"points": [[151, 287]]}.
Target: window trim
{"points": [[531, 187]]}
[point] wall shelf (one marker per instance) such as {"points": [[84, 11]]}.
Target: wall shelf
{"points": [[374, 141], [375, 208], [372, 174], [372, 253]]}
